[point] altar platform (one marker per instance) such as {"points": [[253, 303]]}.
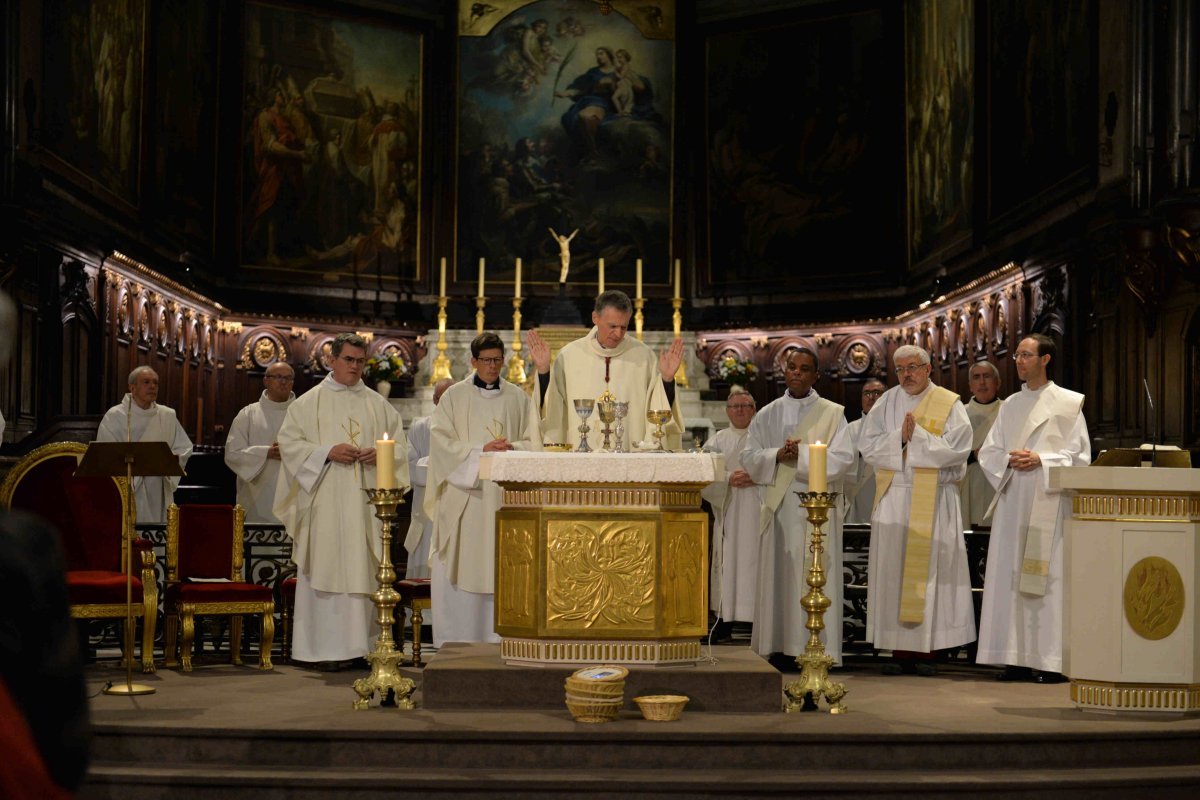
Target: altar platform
{"points": [[230, 732]]}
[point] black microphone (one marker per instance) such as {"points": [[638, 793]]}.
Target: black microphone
{"points": [[1153, 425]]}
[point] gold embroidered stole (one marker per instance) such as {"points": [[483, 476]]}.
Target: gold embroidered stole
{"points": [[931, 414], [820, 423]]}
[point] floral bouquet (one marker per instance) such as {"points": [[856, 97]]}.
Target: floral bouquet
{"points": [[384, 367], [734, 370]]}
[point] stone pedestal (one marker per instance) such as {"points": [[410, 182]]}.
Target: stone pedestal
{"points": [[1131, 564], [601, 557]]}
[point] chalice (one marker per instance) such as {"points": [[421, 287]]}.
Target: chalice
{"points": [[622, 409], [658, 418], [583, 408], [606, 407]]}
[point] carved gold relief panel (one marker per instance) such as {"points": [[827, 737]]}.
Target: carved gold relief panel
{"points": [[517, 573], [600, 576], [684, 580]]}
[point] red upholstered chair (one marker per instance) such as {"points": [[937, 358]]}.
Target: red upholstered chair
{"points": [[90, 514], [204, 578]]}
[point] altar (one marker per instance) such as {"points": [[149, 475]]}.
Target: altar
{"points": [[601, 557]]}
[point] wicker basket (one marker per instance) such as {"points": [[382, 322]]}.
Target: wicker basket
{"points": [[604, 673], [596, 689], [661, 707], [594, 710]]}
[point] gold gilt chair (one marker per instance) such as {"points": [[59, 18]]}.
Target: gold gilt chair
{"points": [[89, 513], [204, 578]]}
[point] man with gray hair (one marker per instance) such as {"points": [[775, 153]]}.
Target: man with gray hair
{"points": [[139, 418], [251, 447], [976, 491], [607, 360], [917, 437], [327, 449]]}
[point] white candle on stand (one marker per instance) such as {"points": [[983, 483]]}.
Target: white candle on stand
{"points": [[481, 277], [442, 290], [385, 463], [817, 480], [639, 279], [601, 277], [518, 293]]}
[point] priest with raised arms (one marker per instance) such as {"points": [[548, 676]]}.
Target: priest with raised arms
{"points": [[139, 418], [917, 437], [252, 446], [608, 359], [777, 458], [1037, 428], [481, 414], [328, 453]]}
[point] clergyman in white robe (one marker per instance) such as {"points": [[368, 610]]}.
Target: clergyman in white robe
{"points": [[734, 569], [784, 537], [335, 535], [420, 529], [463, 507], [129, 422], [1018, 628], [859, 487], [949, 616], [976, 491], [251, 434]]}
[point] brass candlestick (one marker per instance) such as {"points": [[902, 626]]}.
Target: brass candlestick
{"points": [[815, 663], [385, 658], [480, 302], [638, 304], [681, 378], [516, 364], [441, 364]]}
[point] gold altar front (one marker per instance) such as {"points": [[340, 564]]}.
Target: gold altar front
{"points": [[602, 572]]}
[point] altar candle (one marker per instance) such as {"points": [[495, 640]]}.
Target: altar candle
{"points": [[677, 283], [639, 279], [518, 294], [601, 277], [385, 463], [442, 290], [481, 277], [817, 481]]}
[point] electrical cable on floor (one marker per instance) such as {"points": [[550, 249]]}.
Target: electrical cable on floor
{"points": [[105, 688]]}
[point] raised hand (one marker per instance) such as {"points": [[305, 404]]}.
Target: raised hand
{"points": [[539, 351], [670, 359]]}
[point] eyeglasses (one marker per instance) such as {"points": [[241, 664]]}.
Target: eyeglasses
{"points": [[494, 361], [1023, 356], [352, 360], [911, 369]]}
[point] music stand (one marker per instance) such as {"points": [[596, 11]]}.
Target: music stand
{"points": [[126, 460]]}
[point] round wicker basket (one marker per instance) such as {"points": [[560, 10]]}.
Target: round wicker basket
{"points": [[661, 707], [594, 710], [597, 689], [604, 672]]}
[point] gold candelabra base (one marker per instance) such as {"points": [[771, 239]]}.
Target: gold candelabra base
{"points": [[441, 364], [393, 688], [681, 378], [802, 695]]}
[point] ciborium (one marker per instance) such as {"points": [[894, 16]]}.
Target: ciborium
{"points": [[583, 407], [657, 418], [814, 664], [622, 410], [393, 688], [606, 407]]}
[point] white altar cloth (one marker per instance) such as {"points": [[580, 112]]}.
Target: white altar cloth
{"points": [[592, 468]]}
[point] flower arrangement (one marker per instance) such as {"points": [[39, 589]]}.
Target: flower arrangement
{"points": [[738, 371], [385, 367]]}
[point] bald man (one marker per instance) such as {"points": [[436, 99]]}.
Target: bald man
{"points": [[252, 449]]}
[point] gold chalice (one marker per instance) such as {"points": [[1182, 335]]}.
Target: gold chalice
{"points": [[583, 408], [657, 418], [606, 407]]}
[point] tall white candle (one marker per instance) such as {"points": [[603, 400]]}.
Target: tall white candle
{"points": [[817, 480], [601, 277], [677, 279], [385, 463], [481, 277], [639, 279], [518, 291], [442, 290]]}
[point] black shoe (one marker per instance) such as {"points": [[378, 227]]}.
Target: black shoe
{"points": [[1049, 677], [1015, 674], [926, 669], [900, 668]]}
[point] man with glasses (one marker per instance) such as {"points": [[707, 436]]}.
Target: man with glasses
{"points": [[859, 489], [917, 437], [607, 359], [733, 585], [776, 458], [975, 491], [327, 452], [481, 414], [1039, 427], [252, 447]]}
